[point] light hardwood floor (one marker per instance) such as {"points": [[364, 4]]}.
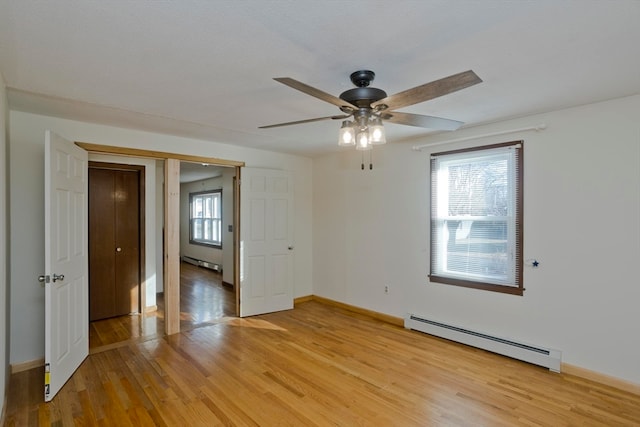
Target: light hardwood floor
{"points": [[203, 299], [314, 365]]}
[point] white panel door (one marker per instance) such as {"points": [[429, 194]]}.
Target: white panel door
{"points": [[66, 261], [266, 241]]}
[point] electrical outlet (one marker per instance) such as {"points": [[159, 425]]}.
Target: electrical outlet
{"points": [[386, 289]]}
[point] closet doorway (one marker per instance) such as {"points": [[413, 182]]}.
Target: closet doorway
{"points": [[116, 236]]}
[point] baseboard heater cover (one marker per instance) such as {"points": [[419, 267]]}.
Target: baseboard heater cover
{"points": [[549, 358], [205, 264]]}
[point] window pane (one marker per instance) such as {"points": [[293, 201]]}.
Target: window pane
{"points": [[477, 248], [208, 202], [197, 229], [477, 188], [215, 230], [206, 229]]}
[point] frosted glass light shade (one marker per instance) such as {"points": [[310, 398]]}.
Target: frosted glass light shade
{"points": [[363, 140], [347, 135], [376, 130]]}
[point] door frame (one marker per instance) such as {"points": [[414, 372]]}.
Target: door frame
{"points": [[172, 220], [93, 164]]}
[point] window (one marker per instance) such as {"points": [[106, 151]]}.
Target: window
{"points": [[205, 218], [476, 218]]}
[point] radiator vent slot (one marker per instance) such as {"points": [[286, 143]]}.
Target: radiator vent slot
{"points": [[205, 264], [537, 355]]}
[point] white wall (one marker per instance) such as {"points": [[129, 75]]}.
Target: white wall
{"points": [[26, 210], [4, 308], [581, 222]]}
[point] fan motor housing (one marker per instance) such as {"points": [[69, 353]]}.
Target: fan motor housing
{"points": [[362, 97]]}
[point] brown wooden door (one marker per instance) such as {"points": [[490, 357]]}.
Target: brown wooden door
{"points": [[114, 242]]}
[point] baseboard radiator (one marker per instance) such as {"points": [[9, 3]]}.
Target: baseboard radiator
{"points": [[206, 264], [546, 357]]}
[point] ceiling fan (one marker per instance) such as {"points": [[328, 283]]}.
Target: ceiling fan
{"points": [[369, 106]]}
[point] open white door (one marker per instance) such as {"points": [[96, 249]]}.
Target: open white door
{"points": [[66, 261], [266, 241]]}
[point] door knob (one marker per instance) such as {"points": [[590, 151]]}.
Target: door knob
{"points": [[118, 249], [57, 277]]}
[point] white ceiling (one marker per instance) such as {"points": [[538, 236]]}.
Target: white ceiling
{"points": [[190, 172], [204, 69]]}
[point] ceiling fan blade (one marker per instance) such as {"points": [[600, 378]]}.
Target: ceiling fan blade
{"points": [[429, 91], [345, 116], [324, 96], [419, 120]]}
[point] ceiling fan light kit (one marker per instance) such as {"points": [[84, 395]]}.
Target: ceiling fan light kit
{"points": [[347, 134], [376, 130], [362, 134], [369, 107]]}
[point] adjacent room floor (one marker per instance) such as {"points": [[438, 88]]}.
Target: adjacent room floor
{"points": [[203, 299]]}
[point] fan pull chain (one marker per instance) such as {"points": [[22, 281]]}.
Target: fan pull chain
{"points": [[370, 160]]}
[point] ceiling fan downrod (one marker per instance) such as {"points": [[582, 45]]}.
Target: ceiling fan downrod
{"points": [[362, 95]]}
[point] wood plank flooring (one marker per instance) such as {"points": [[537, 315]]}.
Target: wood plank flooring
{"points": [[203, 299], [316, 365]]}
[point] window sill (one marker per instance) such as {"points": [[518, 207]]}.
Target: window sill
{"points": [[512, 290]]}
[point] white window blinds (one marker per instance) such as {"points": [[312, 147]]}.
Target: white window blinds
{"points": [[476, 229]]}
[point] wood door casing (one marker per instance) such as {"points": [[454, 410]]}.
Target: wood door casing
{"points": [[114, 241], [168, 259]]}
